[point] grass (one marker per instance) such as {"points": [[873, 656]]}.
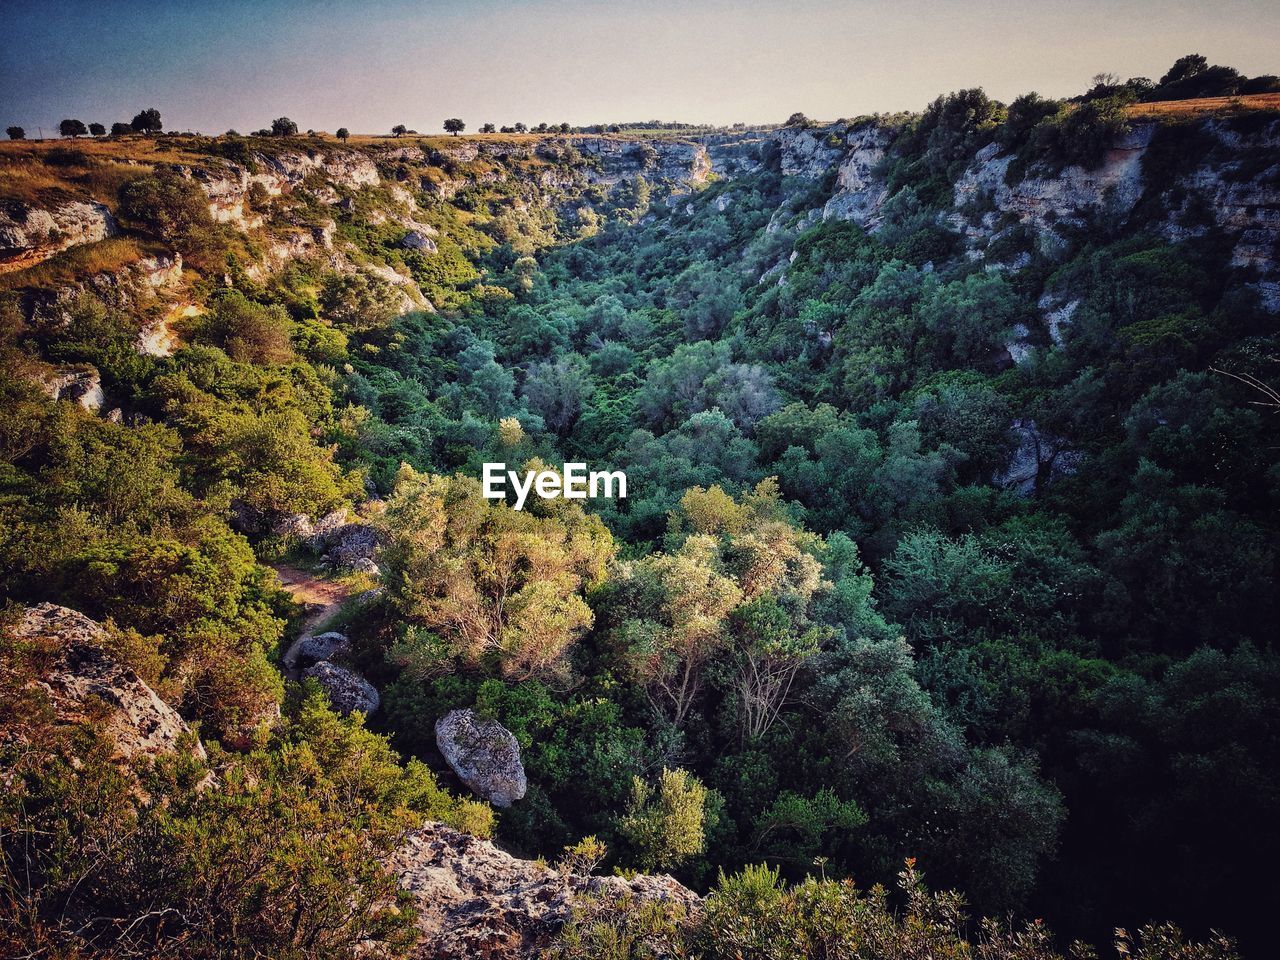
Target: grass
{"points": [[106, 256], [1207, 105]]}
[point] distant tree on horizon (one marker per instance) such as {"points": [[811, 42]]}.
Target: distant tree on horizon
{"points": [[797, 119], [521, 128], [454, 125], [399, 130], [283, 127], [119, 129], [72, 128], [565, 128], [488, 128], [342, 134], [147, 121], [97, 130], [16, 133]]}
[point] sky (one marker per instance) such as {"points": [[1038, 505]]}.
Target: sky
{"points": [[212, 65]]}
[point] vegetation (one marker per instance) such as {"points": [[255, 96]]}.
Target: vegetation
{"points": [[830, 629]]}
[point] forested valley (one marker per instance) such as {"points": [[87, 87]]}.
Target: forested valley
{"points": [[948, 560]]}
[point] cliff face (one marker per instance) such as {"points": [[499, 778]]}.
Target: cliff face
{"points": [[1230, 180], [30, 235]]}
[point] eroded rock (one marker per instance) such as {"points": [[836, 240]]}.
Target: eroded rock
{"points": [[347, 690], [474, 900], [84, 679], [484, 754]]}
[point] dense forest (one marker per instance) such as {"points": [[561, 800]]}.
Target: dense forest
{"points": [[950, 539]]}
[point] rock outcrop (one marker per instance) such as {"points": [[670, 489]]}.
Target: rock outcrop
{"points": [[484, 754], [1038, 458], [476, 901], [80, 384], [29, 235], [85, 682]]}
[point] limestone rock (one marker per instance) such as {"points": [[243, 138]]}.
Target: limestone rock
{"points": [[84, 678], [484, 754], [1038, 459], [30, 235], [474, 900], [308, 650], [347, 690], [78, 384], [418, 240]]}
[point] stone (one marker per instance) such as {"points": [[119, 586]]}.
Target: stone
{"points": [[84, 677], [79, 384], [475, 900], [484, 754], [308, 650], [1038, 458], [417, 240], [347, 690]]}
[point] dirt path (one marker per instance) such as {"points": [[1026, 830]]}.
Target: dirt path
{"points": [[320, 596]]}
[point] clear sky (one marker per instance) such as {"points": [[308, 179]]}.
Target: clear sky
{"points": [[214, 64]]}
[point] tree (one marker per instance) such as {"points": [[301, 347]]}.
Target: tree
{"points": [[521, 128], [798, 119], [665, 825], [454, 125], [1183, 68], [501, 588], [343, 134], [147, 121], [283, 127], [399, 130], [564, 128], [119, 129], [488, 128], [97, 130], [72, 128], [16, 133]]}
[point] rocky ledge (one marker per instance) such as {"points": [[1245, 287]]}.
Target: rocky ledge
{"points": [[474, 901]]}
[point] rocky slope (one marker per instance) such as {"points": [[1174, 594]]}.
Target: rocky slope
{"points": [[1232, 173], [474, 901]]}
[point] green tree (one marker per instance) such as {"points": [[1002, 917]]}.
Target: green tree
{"points": [[147, 121], [72, 128], [343, 134], [16, 133], [664, 824], [454, 126]]}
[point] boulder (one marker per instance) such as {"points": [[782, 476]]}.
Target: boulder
{"points": [[351, 544], [347, 690], [307, 651], [484, 754], [418, 240], [84, 678], [474, 900]]}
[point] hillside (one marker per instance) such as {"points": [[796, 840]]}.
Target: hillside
{"points": [[950, 538]]}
